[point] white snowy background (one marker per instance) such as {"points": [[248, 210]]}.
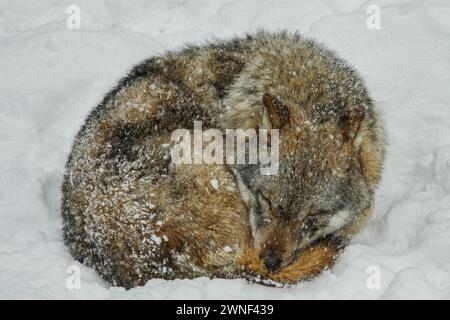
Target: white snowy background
{"points": [[51, 77]]}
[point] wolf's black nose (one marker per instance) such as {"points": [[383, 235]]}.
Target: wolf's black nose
{"points": [[271, 261]]}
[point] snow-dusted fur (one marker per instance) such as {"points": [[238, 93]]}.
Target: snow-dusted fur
{"points": [[133, 215]]}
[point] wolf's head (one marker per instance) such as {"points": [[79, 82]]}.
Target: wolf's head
{"points": [[322, 183], [330, 144]]}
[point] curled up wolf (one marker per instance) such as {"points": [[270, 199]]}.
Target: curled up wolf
{"points": [[134, 215]]}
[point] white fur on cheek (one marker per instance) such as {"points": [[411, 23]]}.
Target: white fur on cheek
{"points": [[338, 220]]}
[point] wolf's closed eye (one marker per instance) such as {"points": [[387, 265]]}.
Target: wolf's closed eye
{"points": [[315, 222], [264, 206]]}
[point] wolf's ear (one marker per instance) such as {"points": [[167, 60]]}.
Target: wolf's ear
{"points": [[278, 112], [350, 122]]}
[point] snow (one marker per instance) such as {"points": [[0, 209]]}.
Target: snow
{"points": [[214, 183], [156, 239], [51, 77], [227, 249]]}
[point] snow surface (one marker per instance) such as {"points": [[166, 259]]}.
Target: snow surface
{"points": [[50, 78]]}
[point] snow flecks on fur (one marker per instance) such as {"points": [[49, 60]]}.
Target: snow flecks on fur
{"points": [[133, 215], [215, 183]]}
